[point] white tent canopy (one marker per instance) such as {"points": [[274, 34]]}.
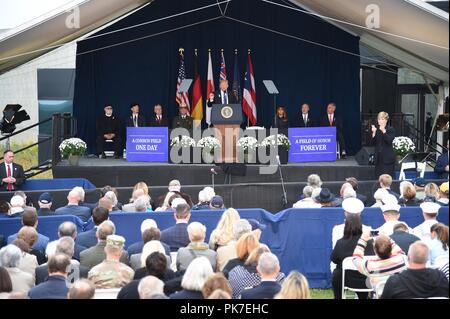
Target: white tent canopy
{"points": [[420, 31]]}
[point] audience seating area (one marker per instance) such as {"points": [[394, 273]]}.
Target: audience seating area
{"points": [[301, 238]]}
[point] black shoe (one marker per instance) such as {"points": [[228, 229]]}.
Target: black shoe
{"points": [[102, 155], [117, 156], [344, 156]]}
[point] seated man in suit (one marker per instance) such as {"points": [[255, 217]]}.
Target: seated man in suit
{"points": [[158, 119], [30, 218], [149, 231], [441, 167], [268, 268], [88, 238], [95, 255], [11, 174], [304, 119], [135, 119], [65, 245], [73, 207], [177, 236], [183, 120], [332, 120], [45, 204], [66, 229], [55, 287], [108, 128]]}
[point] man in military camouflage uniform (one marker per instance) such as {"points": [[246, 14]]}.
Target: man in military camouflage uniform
{"points": [[111, 273]]}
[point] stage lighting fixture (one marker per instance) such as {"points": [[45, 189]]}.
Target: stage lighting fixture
{"points": [[11, 117]]}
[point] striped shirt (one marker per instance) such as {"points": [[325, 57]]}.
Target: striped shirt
{"points": [[444, 269], [377, 269]]}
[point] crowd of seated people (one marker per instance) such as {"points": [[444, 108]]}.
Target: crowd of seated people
{"points": [[180, 262]]}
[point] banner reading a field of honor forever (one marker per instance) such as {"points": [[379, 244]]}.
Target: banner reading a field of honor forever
{"points": [[312, 144], [147, 144]]}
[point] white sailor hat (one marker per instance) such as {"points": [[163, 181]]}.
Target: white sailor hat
{"points": [[353, 205], [430, 207]]}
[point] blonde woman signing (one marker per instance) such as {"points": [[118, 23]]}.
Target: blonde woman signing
{"points": [[382, 137]]}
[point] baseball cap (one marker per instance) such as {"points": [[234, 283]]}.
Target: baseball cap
{"points": [[217, 201], [353, 205], [421, 182], [45, 198], [115, 240], [256, 224]]}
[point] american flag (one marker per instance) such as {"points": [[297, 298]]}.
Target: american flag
{"points": [[182, 98], [249, 96], [223, 68]]}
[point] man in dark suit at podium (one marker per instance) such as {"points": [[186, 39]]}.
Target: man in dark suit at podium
{"points": [[135, 119], [331, 120], [158, 120], [304, 119], [183, 120], [223, 96]]}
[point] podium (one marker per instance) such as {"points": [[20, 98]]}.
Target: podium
{"points": [[227, 120]]}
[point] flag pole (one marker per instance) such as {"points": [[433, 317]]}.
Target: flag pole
{"points": [[248, 119]]}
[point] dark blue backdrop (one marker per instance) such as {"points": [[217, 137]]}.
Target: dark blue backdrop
{"points": [[146, 70]]}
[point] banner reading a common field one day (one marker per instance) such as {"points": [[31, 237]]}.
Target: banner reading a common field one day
{"points": [[312, 144], [147, 144]]}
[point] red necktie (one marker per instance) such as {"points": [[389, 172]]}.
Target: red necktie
{"points": [[10, 186]]}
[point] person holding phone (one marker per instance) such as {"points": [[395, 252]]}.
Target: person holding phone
{"points": [[382, 137]]}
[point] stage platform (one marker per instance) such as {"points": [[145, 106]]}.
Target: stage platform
{"points": [[120, 173]]}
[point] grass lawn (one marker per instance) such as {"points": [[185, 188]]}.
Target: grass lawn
{"points": [[27, 158], [321, 294]]}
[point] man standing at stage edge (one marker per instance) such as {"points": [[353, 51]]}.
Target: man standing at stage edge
{"points": [[11, 174], [332, 120], [108, 129]]}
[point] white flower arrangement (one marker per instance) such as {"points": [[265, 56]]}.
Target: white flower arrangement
{"points": [[209, 143], [247, 143], [403, 145], [72, 146], [279, 140], [185, 141]]}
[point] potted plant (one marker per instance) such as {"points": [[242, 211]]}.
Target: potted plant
{"points": [[281, 143], [209, 146], [182, 143], [403, 146], [247, 146], [72, 149]]}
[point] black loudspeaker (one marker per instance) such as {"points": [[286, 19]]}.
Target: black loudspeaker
{"points": [[365, 156]]}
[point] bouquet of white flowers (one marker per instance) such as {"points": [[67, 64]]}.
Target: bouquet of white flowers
{"points": [[209, 143], [72, 146], [403, 145], [184, 141], [247, 143], [279, 140]]}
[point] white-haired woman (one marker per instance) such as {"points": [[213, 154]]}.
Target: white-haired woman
{"points": [[10, 257], [378, 196], [138, 260], [196, 248], [223, 233], [198, 271]]}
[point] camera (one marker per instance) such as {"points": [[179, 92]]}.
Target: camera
{"points": [[374, 233]]}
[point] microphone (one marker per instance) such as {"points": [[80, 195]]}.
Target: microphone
{"points": [[278, 160], [213, 171]]}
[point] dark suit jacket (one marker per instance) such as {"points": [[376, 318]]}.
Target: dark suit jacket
{"points": [[337, 122], [95, 255], [442, 161], [84, 213], [87, 239], [45, 212], [78, 249], [300, 123], [17, 173], [163, 123], [187, 294], [107, 125], [42, 273], [54, 288], [404, 239], [362, 198], [280, 123], [141, 121], [136, 248], [218, 98], [176, 236], [186, 123], [383, 146], [265, 290]]}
